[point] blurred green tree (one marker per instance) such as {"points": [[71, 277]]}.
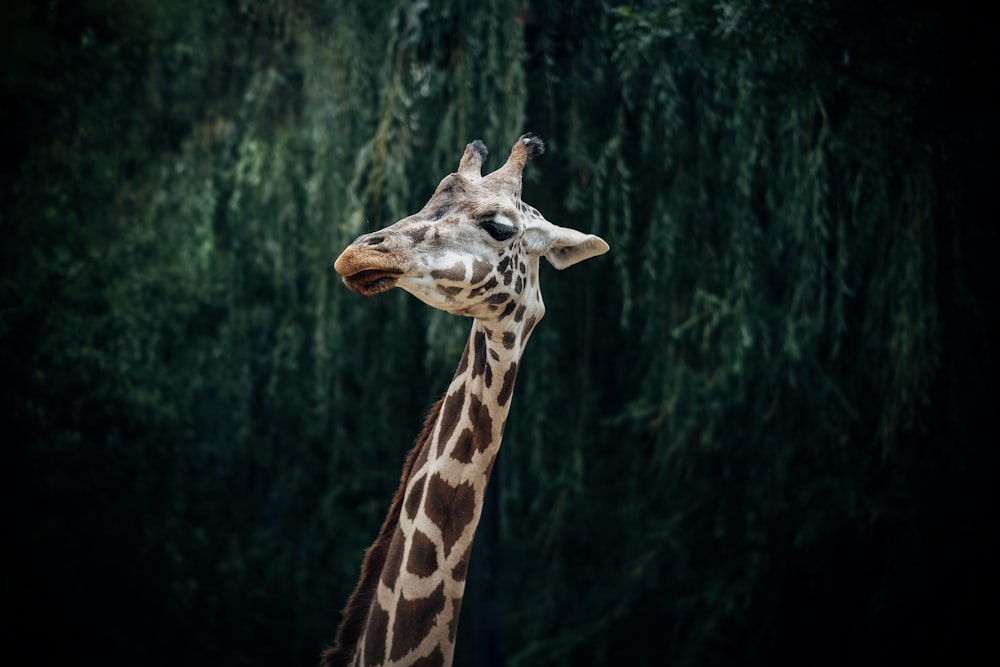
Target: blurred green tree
{"points": [[752, 433]]}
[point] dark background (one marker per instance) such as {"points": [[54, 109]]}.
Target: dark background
{"points": [[759, 431]]}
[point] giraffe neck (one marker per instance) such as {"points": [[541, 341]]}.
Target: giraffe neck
{"points": [[415, 606]]}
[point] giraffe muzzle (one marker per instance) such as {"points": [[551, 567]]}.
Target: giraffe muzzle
{"points": [[366, 271]]}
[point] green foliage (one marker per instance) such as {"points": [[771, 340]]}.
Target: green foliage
{"points": [[744, 435]]}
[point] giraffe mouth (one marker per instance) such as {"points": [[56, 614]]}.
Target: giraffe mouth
{"points": [[369, 282]]}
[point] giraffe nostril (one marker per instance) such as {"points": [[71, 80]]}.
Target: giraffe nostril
{"points": [[375, 241]]}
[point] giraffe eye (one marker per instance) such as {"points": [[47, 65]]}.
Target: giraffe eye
{"points": [[497, 230]]}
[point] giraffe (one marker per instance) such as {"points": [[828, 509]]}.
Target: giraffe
{"points": [[472, 250]]}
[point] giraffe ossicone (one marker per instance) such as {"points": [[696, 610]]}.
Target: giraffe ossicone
{"points": [[472, 250]]}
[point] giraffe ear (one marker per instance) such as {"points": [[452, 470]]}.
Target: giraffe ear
{"points": [[562, 246]]}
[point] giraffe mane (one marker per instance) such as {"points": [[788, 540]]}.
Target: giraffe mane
{"points": [[356, 610]]}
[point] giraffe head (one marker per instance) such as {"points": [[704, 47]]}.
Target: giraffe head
{"points": [[473, 249]]}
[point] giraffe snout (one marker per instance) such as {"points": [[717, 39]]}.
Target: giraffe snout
{"points": [[370, 265]]}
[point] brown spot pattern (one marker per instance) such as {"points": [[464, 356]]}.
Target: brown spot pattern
{"points": [[478, 354], [417, 235], [509, 338], [482, 423], [414, 620], [463, 447], [450, 414], [413, 500], [529, 325], [456, 273], [480, 269], [479, 291], [450, 508], [378, 625], [423, 560], [507, 388], [461, 568], [463, 363], [390, 570], [433, 659], [449, 290], [425, 450]]}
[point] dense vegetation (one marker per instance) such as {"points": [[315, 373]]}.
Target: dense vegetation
{"points": [[752, 433]]}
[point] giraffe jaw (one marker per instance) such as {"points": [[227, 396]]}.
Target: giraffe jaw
{"points": [[369, 282]]}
